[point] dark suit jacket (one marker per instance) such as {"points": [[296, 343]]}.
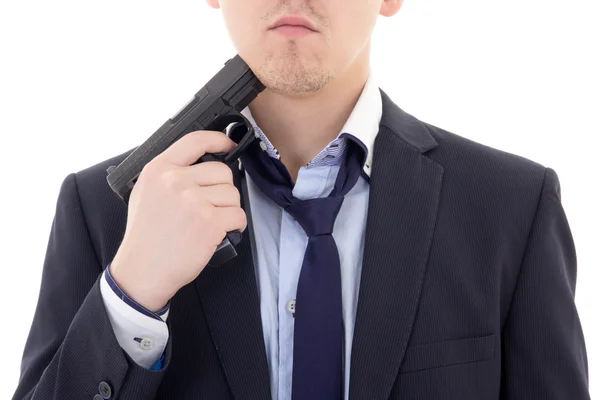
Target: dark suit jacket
{"points": [[467, 289]]}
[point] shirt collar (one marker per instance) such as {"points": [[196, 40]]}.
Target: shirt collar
{"points": [[361, 126]]}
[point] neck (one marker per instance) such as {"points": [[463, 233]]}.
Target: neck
{"points": [[300, 127]]}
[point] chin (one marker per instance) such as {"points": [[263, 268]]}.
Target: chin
{"points": [[291, 73]]}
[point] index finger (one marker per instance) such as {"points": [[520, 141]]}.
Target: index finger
{"points": [[189, 148]]}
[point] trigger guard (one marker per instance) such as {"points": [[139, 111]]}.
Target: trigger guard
{"points": [[242, 143]]}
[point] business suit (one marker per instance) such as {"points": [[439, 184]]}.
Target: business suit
{"points": [[466, 290]]}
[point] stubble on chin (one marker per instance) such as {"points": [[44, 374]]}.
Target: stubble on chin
{"points": [[288, 72]]}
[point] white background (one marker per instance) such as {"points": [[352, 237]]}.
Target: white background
{"points": [[83, 81]]}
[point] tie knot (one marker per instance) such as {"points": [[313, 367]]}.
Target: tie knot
{"points": [[316, 216]]}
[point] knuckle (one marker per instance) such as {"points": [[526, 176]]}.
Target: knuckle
{"points": [[224, 171], [233, 193], [242, 217], [198, 135], [193, 200], [189, 199], [197, 138], [151, 169], [171, 179], [206, 212], [192, 136]]}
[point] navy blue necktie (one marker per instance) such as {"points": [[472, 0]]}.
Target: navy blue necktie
{"points": [[318, 363]]}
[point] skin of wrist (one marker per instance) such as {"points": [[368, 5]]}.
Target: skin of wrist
{"points": [[148, 295]]}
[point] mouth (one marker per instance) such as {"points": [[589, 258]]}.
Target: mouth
{"points": [[293, 26]]}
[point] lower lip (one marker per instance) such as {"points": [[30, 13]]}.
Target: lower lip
{"points": [[293, 31]]}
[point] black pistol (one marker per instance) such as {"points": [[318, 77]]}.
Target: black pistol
{"points": [[217, 105]]}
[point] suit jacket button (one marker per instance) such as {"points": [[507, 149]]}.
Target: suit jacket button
{"points": [[98, 397], [105, 390]]}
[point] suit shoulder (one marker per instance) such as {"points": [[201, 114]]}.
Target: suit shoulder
{"points": [[494, 177], [457, 152], [95, 175], [92, 185], [104, 212]]}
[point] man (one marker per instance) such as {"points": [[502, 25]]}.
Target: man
{"points": [[385, 258]]}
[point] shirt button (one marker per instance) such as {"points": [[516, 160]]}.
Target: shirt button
{"points": [[105, 390], [263, 145], [146, 344], [292, 306]]}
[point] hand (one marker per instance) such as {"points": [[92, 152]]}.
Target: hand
{"points": [[178, 214]]}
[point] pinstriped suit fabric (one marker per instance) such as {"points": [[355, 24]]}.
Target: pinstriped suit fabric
{"points": [[467, 289]]}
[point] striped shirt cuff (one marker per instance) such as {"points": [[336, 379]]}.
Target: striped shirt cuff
{"points": [[159, 315]]}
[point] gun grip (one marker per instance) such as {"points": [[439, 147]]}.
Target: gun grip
{"points": [[226, 249]]}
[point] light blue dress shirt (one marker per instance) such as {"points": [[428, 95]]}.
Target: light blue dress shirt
{"points": [[280, 245], [281, 241]]}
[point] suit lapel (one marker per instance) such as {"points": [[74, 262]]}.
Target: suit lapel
{"points": [[403, 204], [229, 297]]}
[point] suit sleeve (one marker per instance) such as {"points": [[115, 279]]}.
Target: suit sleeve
{"points": [[543, 349], [71, 351]]}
